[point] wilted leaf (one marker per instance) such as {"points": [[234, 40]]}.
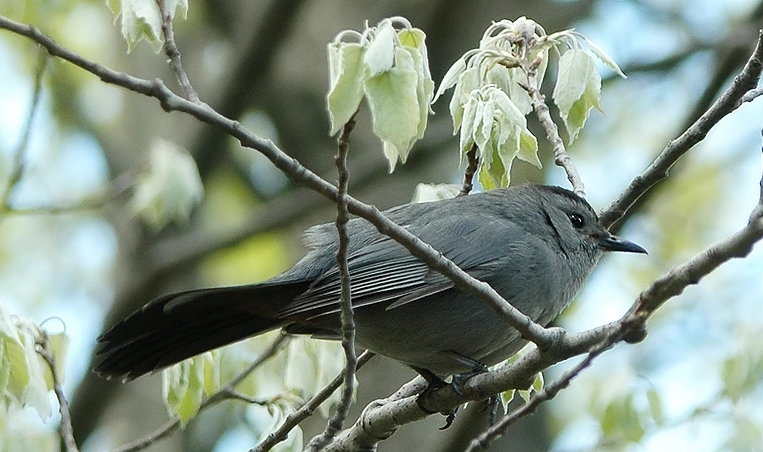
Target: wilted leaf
{"points": [[606, 59], [577, 90], [392, 97], [171, 187], [380, 55], [346, 77], [312, 364], [141, 19], [450, 78], [186, 384], [434, 192]]}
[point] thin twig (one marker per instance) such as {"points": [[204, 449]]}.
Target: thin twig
{"points": [[226, 392], [17, 164], [173, 53], [561, 158], [307, 409], [116, 188], [67, 432], [345, 300], [472, 162], [752, 95], [547, 393]]}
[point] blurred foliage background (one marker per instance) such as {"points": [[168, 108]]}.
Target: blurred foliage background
{"points": [[693, 384]]}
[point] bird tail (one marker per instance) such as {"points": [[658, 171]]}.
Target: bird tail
{"points": [[175, 327]]}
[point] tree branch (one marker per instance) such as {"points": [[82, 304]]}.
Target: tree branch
{"points": [[17, 163], [67, 433], [345, 298], [307, 409], [745, 81], [561, 158], [173, 53], [472, 162]]}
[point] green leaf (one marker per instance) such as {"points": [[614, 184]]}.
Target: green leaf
{"points": [[602, 55], [312, 364], [15, 378], [435, 192], [468, 81], [393, 99], [499, 129], [380, 55], [171, 187], [184, 388], [141, 19], [577, 90], [346, 77], [451, 78]]}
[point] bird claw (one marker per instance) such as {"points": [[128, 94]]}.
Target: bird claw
{"points": [[492, 404], [457, 383], [449, 418]]}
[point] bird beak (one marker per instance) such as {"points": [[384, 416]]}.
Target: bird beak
{"points": [[614, 243]]}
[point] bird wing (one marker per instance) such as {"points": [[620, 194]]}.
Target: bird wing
{"points": [[384, 271]]}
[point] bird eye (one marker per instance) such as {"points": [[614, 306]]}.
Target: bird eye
{"points": [[576, 220]]}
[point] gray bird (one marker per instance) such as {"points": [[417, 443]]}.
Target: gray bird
{"points": [[534, 244]]}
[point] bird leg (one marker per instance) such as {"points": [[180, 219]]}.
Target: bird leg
{"points": [[457, 382]]}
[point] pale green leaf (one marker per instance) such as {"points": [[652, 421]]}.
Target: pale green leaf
{"points": [[604, 57], [435, 192], [507, 397], [380, 54], [141, 19], [393, 100], [171, 187], [267, 419], [183, 389], [312, 364], [468, 81], [499, 129], [528, 148], [413, 44], [451, 78], [655, 406], [470, 116], [346, 77], [577, 90], [15, 379], [510, 81], [536, 386], [38, 383], [58, 345]]}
